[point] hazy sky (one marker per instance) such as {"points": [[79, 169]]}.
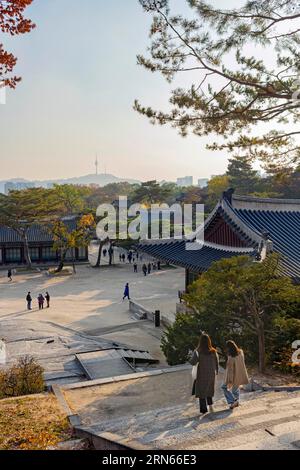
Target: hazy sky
{"points": [[80, 80]]}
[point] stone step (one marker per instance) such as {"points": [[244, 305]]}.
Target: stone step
{"points": [[225, 436], [278, 437], [255, 439], [181, 415], [181, 427], [213, 434], [207, 429]]}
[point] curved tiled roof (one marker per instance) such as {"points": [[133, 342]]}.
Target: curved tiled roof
{"points": [[255, 221], [197, 260], [284, 232], [36, 233]]}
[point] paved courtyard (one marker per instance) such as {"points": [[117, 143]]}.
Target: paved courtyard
{"points": [[91, 300]]}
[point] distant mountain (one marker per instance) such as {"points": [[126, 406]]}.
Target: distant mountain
{"points": [[101, 180]]}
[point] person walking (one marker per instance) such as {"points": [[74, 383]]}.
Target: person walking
{"points": [[47, 297], [235, 375], [123, 257], [9, 275], [120, 257], [126, 292], [145, 270], [206, 366], [149, 268], [41, 300], [158, 266], [29, 300], [135, 268]]}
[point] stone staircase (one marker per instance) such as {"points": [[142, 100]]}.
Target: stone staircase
{"points": [[265, 420]]}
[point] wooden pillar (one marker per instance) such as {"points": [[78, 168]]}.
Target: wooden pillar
{"points": [[22, 255], [187, 279]]}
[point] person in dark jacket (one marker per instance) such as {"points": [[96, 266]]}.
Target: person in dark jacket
{"points": [[135, 268], [41, 300], [29, 300], [47, 297], [205, 358], [9, 275], [126, 292], [149, 268], [145, 270]]}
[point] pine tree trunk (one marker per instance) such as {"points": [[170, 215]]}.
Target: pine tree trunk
{"points": [[62, 261], [74, 263], [261, 349], [97, 265], [26, 251], [111, 255]]}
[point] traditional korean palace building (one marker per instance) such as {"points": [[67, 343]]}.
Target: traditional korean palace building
{"points": [[237, 226], [40, 246]]}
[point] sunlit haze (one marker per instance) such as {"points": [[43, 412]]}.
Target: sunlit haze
{"points": [[80, 80]]}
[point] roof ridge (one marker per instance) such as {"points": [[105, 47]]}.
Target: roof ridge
{"points": [[265, 199], [233, 249]]}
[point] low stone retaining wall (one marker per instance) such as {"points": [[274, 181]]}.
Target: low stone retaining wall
{"points": [[108, 441], [141, 313], [183, 308]]}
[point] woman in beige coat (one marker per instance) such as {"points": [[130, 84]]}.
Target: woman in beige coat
{"points": [[235, 375]]}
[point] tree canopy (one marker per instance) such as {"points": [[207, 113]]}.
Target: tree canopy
{"points": [[237, 299], [22, 209], [151, 192], [67, 239], [13, 22], [249, 99], [241, 176]]}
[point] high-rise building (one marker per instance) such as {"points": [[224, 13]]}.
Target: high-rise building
{"points": [[18, 186], [202, 182], [185, 181], [8, 187]]}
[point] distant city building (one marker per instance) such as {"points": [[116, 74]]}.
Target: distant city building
{"points": [[19, 186], [202, 182], [8, 187], [186, 181]]}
